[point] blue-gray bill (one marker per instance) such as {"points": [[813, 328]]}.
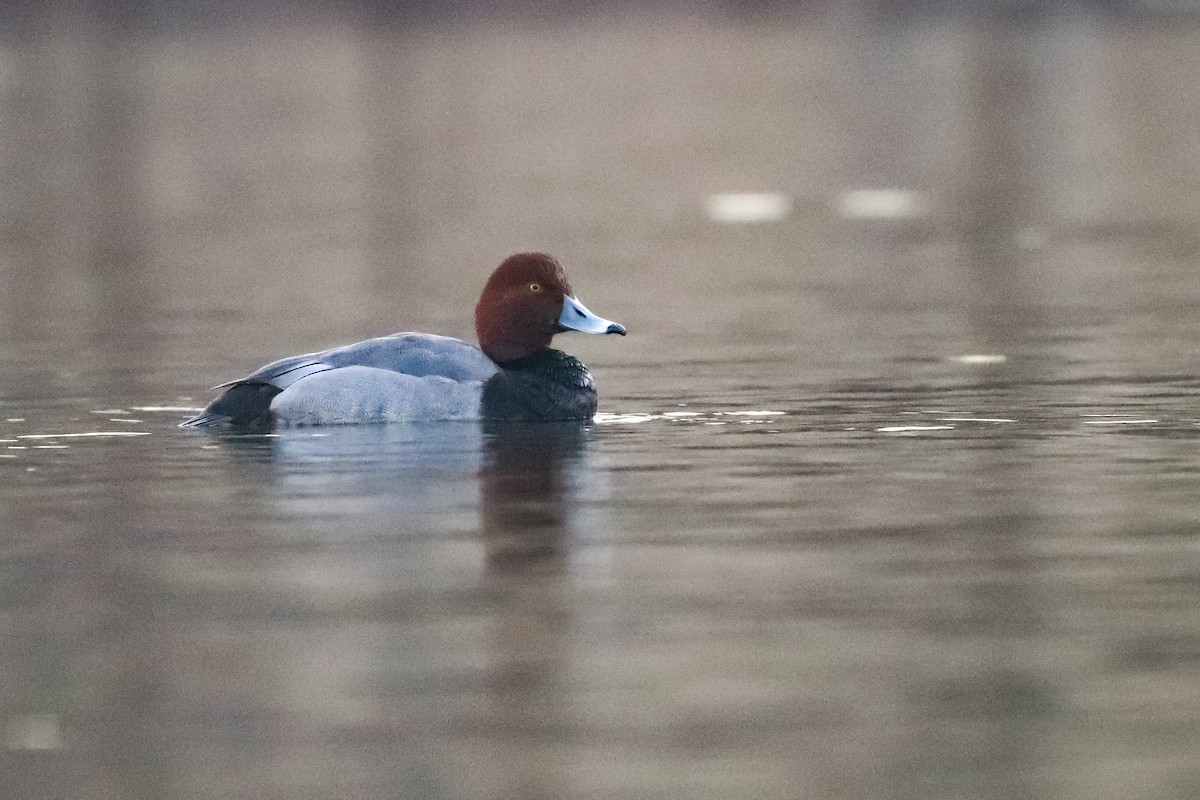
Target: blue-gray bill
{"points": [[576, 317]]}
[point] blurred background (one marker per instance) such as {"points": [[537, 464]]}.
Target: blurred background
{"points": [[893, 492], [327, 168]]}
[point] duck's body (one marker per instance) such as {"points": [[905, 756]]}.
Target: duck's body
{"points": [[406, 377]]}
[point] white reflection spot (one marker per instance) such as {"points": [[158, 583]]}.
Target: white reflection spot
{"points": [[882, 204], [623, 419], [81, 435], [907, 428], [748, 206], [708, 418], [749, 413], [34, 732], [980, 358]]}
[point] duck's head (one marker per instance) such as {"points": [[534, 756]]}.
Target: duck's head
{"points": [[524, 303]]}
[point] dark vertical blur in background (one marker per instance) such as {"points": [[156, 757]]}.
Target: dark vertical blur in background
{"points": [[894, 491]]}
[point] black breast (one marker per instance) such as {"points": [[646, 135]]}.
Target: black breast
{"points": [[550, 386]]}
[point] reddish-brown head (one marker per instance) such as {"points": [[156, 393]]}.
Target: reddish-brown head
{"points": [[524, 304]]}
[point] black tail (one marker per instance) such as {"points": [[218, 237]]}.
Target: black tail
{"points": [[244, 405]]}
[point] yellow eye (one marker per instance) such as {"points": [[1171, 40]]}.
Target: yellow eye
{"points": [[535, 287]]}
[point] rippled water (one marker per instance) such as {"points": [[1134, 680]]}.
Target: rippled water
{"points": [[893, 488]]}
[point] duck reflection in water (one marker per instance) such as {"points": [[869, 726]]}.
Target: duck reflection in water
{"points": [[527, 490], [523, 482]]}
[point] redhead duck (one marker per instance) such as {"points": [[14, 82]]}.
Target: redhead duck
{"points": [[513, 374]]}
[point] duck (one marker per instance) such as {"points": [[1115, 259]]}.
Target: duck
{"points": [[512, 374]]}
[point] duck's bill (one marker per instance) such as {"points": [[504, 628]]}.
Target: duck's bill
{"points": [[576, 317]]}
